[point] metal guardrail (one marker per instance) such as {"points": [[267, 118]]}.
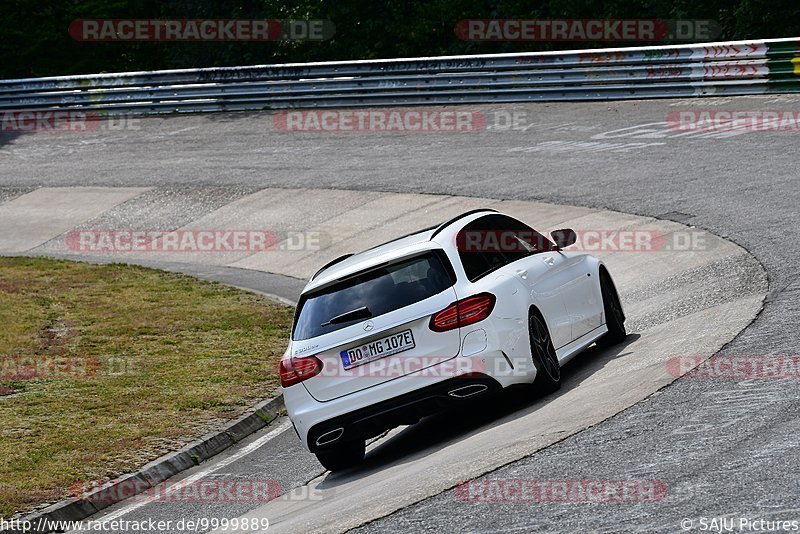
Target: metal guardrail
{"points": [[727, 68]]}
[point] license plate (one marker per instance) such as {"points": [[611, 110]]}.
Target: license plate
{"points": [[375, 350]]}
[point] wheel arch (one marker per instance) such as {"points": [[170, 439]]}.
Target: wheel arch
{"points": [[602, 271]]}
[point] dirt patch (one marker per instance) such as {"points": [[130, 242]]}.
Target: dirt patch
{"points": [[9, 287]]}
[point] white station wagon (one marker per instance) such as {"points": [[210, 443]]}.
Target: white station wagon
{"points": [[442, 316]]}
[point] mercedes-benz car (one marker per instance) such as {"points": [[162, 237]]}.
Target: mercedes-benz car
{"points": [[445, 315]]}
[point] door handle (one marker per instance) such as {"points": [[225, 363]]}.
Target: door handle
{"points": [[522, 273], [549, 261]]}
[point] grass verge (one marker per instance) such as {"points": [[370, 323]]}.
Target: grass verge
{"points": [[106, 367]]}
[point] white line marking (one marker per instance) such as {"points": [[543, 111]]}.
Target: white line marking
{"points": [[182, 130], [285, 425]]}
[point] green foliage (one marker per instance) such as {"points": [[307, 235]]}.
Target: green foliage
{"points": [[36, 42]]}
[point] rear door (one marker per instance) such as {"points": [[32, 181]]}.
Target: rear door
{"points": [[545, 274], [580, 294], [498, 241], [374, 327]]}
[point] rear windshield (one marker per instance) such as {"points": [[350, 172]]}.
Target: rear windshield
{"points": [[380, 290]]}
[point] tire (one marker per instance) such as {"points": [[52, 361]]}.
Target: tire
{"points": [[548, 371], [615, 317], [342, 456]]}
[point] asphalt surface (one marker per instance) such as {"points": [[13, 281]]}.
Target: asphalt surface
{"points": [[278, 468], [675, 299], [721, 447]]}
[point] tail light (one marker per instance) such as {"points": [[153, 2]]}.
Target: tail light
{"points": [[294, 370], [463, 312]]}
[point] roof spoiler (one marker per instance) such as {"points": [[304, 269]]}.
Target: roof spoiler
{"points": [[458, 217], [332, 262]]}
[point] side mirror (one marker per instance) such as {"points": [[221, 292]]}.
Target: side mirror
{"points": [[564, 238]]}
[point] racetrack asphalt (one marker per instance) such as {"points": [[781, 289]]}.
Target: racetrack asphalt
{"points": [[722, 447]]}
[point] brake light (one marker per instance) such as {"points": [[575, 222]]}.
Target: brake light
{"points": [[463, 312], [294, 370]]}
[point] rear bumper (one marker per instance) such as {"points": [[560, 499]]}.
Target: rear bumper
{"points": [[401, 399], [404, 409]]}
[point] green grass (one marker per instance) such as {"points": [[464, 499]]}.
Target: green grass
{"points": [[139, 363]]}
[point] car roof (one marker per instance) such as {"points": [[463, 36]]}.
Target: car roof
{"points": [[400, 247]]}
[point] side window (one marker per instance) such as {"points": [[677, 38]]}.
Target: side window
{"points": [[492, 241], [533, 241]]}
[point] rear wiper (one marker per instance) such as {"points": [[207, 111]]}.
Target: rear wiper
{"points": [[359, 313]]}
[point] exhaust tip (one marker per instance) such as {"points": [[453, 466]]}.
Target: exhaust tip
{"points": [[330, 436], [468, 391]]}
